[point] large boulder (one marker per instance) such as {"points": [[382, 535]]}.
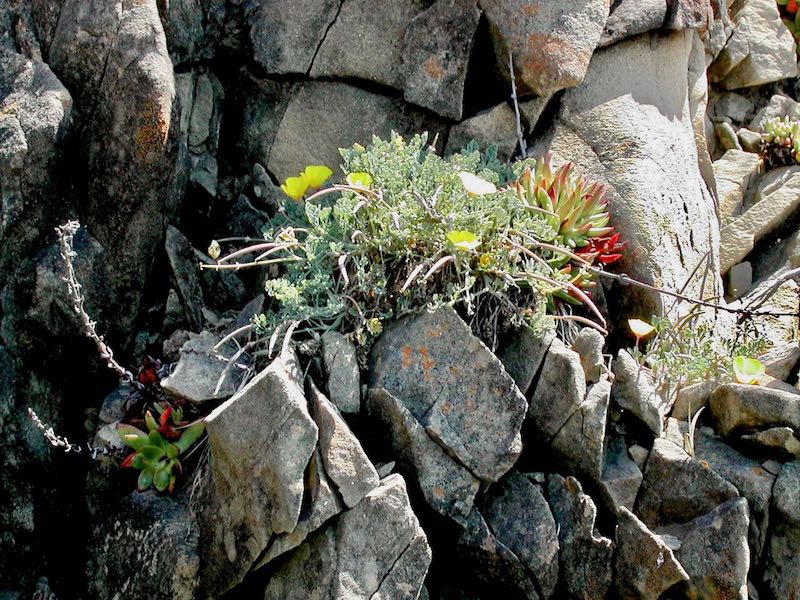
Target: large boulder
{"points": [[113, 58], [782, 555], [257, 468], [375, 550], [759, 50], [455, 387], [551, 43], [632, 17], [629, 125], [742, 408]]}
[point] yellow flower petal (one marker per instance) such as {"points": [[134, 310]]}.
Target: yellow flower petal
{"points": [[748, 370], [359, 179], [464, 240], [316, 175], [476, 186], [295, 187], [640, 328]]}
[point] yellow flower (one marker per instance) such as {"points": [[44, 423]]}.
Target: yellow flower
{"points": [[640, 328], [295, 187], [359, 179], [464, 240], [316, 175], [485, 260], [476, 186]]}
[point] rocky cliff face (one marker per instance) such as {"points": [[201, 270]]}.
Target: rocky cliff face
{"points": [[531, 471]]}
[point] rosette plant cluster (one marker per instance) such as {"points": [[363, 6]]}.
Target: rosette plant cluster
{"points": [[407, 229], [157, 451], [780, 142]]}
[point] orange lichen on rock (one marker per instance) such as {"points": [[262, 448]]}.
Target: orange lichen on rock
{"points": [[152, 130]]}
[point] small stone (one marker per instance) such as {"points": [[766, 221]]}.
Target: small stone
{"points": [[645, 565], [750, 141], [200, 370], [345, 461], [782, 439], [622, 478], [639, 455], [635, 391], [677, 488], [495, 126], [341, 369], [726, 136], [589, 345], [739, 280], [731, 106], [739, 407]]}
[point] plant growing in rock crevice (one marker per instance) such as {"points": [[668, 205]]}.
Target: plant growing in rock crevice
{"points": [[780, 142], [411, 230]]}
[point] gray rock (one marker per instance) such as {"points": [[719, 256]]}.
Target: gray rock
{"points": [[323, 111], [494, 126], [523, 352], [632, 17], [358, 31], [493, 565], [551, 44], [286, 41], [781, 360], [374, 550], [781, 439], [185, 277], [692, 398], [344, 459], [578, 445], [520, 518], [776, 198], [447, 487], [635, 391], [639, 455], [615, 126], [713, 550], [460, 392], [341, 369], [732, 107], [257, 472], [320, 503], [779, 106], [35, 109], [758, 51], [783, 300], [585, 556], [531, 110], [435, 65], [559, 392], [589, 345], [622, 477], [738, 407], [113, 57], [645, 565], [200, 368], [160, 535], [752, 481], [678, 488], [750, 141], [782, 555], [184, 30], [733, 173]]}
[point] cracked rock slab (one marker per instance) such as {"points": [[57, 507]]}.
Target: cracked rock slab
{"points": [[782, 556], [678, 488], [635, 391], [375, 549], [622, 477], [585, 556], [645, 565], [447, 487], [551, 43], [522, 354], [261, 441], [341, 369], [455, 387], [345, 461]]}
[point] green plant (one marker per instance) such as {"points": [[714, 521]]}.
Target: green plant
{"points": [[411, 230], [780, 142], [156, 452], [688, 351]]}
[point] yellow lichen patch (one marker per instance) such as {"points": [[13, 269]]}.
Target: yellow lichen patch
{"points": [[433, 67], [152, 131]]}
